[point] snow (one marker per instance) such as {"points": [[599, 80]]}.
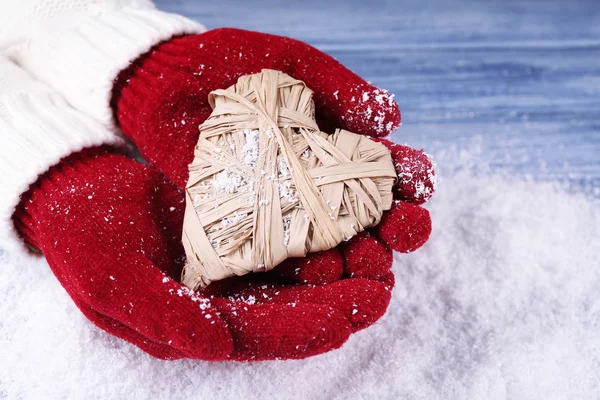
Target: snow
{"points": [[237, 217], [251, 147], [227, 182], [287, 224], [502, 302]]}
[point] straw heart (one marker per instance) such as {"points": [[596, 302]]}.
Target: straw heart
{"points": [[266, 184]]}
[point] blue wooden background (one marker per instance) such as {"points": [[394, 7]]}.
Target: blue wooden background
{"points": [[518, 81]]}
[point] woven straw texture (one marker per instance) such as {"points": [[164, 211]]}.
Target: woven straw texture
{"points": [[266, 184]]}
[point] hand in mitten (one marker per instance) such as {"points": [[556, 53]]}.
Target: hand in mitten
{"points": [[162, 98], [110, 229]]}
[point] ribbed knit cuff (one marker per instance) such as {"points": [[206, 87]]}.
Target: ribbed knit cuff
{"points": [[37, 130], [80, 57]]}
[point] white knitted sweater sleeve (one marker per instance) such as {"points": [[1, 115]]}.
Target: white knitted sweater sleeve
{"points": [[79, 46], [37, 129], [73, 49]]}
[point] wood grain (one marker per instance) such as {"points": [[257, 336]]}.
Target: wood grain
{"points": [[519, 81]]}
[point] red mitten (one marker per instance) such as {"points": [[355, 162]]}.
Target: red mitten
{"points": [[110, 229], [162, 98]]}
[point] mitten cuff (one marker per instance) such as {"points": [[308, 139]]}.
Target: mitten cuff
{"points": [[37, 130], [81, 57]]}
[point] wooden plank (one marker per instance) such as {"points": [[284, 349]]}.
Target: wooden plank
{"points": [[517, 80]]}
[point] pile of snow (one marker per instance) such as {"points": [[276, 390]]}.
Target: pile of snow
{"points": [[502, 302]]}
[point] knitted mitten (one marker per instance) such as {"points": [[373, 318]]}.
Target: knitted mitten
{"points": [[162, 98], [110, 229]]}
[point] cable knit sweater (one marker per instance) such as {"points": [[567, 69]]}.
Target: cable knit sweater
{"points": [[48, 111]]}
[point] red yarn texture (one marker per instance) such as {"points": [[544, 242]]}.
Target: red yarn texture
{"points": [[415, 170], [110, 227]]}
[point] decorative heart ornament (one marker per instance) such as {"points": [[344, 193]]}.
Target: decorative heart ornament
{"points": [[266, 184]]}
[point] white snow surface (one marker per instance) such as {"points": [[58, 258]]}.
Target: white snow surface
{"points": [[503, 302]]}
